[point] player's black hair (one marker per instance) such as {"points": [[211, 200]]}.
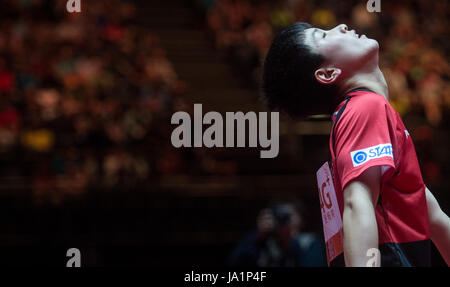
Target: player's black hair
{"points": [[288, 82]]}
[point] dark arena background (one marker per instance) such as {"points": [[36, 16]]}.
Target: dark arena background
{"points": [[86, 100]]}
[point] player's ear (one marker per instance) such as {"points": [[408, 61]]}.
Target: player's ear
{"points": [[327, 75]]}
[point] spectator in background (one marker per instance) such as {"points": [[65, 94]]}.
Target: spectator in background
{"points": [[278, 242]]}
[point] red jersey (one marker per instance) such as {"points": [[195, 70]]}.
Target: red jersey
{"points": [[369, 132]]}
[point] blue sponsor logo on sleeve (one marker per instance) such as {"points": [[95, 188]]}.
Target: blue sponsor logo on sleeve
{"points": [[362, 156]]}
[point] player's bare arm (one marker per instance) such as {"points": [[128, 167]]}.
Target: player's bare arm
{"points": [[439, 226], [360, 225]]}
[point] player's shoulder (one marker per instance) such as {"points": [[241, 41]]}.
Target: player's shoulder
{"points": [[365, 102], [366, 98]]}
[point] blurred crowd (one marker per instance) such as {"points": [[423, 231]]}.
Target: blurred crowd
{"points": [[83, 96], [413, 36]]}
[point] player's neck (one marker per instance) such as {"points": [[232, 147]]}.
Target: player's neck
{"points": [[372, 79]]}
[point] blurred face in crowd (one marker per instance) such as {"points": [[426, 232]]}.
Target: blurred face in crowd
{"points": [[287, 231], [346, 53]]}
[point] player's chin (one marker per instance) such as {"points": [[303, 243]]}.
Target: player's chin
{"points": [[373, 42], [371, 45]]}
